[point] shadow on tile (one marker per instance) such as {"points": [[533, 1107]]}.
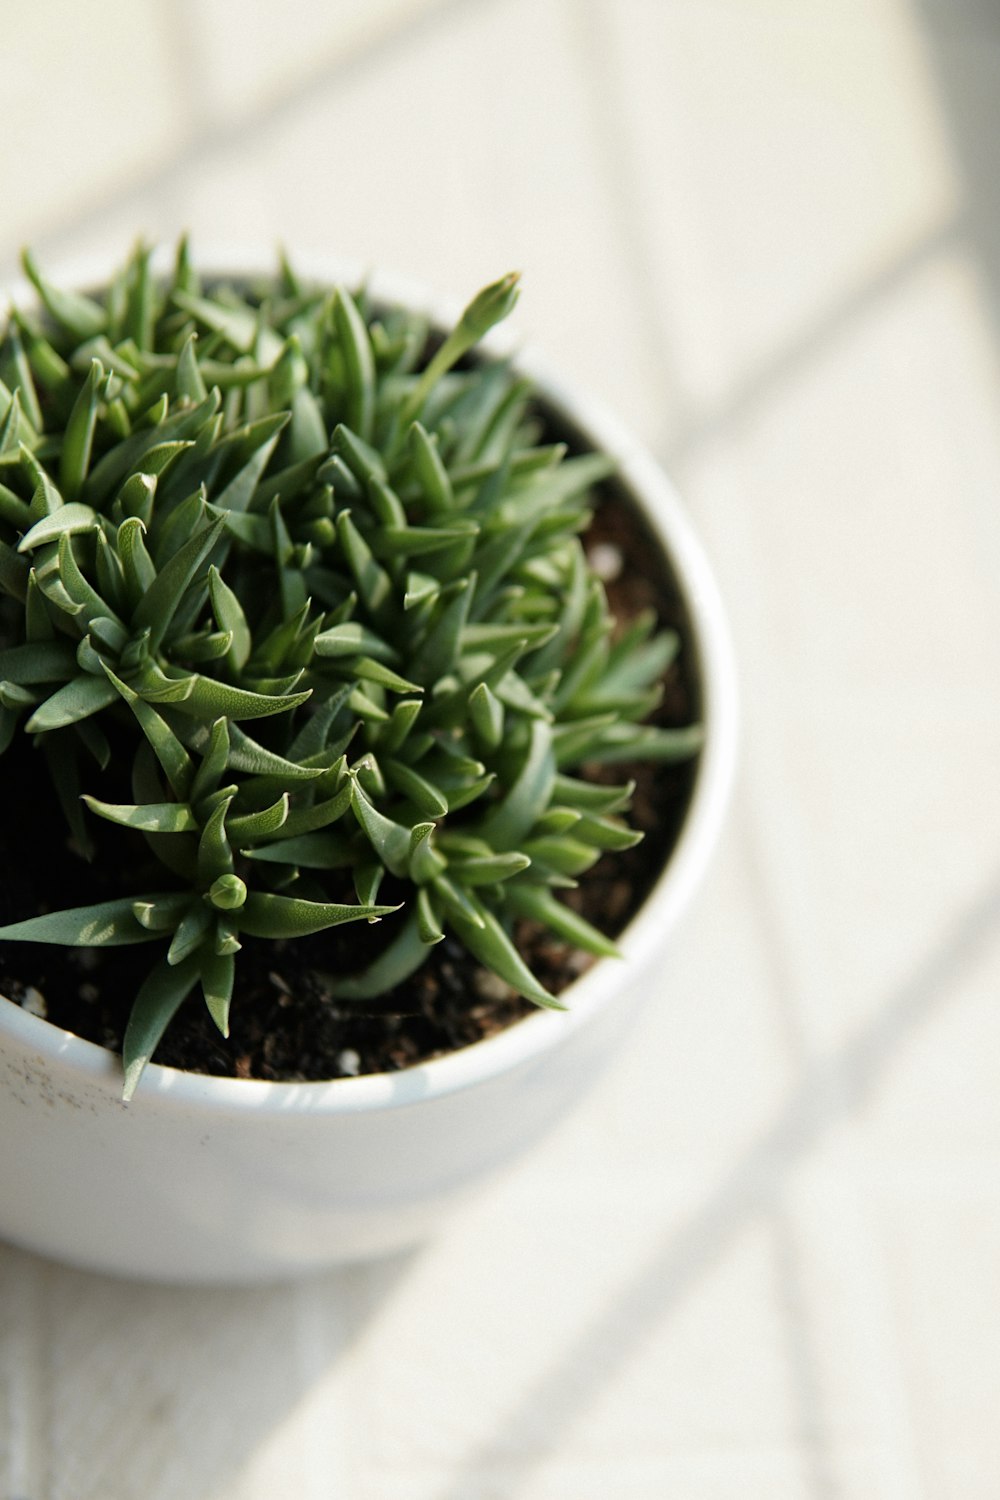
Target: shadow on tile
{"points": [[828, 1092], [116, 1387]]}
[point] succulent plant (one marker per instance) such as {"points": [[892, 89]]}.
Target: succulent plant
{"points": [[305, 586]]}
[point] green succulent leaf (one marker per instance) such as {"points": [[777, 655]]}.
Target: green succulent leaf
{"points": [[44, 661], [238, 325], [159, 604], [247, 755], [492, 946], [214, 761], [80, 316], [137, 565], [208, 698], [160, 914], [156, 1004], [356, 348], [231, 617], [271, 916], [537, 902], [77, 700], [424, 795], [486, 713], [619, 743], [168, 749], [251, 828], [318, 814], [215, 854], [229, 502], [390, 840], [326, 849], [490, 869], [352, 639], [401, 958], [106, 924], [190, 933], [218, 971], [529, 794], [70, 518], [436, 486], [152, 817], [74, 459]]}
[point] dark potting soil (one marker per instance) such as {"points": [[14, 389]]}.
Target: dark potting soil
{"points": [[284, 1023]]}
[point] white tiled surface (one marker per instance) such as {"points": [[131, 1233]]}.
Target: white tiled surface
{"points": [[763, 1259]]}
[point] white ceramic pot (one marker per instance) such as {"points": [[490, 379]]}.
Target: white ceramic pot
{"points": [[205, 1179]]}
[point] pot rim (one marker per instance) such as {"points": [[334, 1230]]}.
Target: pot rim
{"points": [[534, 1035]]}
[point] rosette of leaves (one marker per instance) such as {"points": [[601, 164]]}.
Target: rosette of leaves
{"points": [[295, 594]]}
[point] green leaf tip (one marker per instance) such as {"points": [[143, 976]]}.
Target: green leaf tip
{"points": [[490, 306]]}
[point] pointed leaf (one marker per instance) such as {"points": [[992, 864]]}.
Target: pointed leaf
{"points": [[72, 517], [252, 827], [426, 797], [487, 715], [215, 759], [431, 472], [160, 914], [538, 903], [505, 826], [246, 755], [628, 742], [327, 849], [352, 638], [156, 1004], [359, 361], [489, 869], [397, 962], [74, 458], [215, 854], [491, 945], [229, 615], [77, 586], [41, 661], [139, 569], [428, 920], [190, 933], [107, 924], [239, 325], [270, 916], [150, 817], [209, 699], [77, 700], [320, 815], [158, 606], [81, 316], [217, 974], [391, 841]]}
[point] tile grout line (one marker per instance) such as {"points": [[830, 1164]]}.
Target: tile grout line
{"points": [[330, 1457], [812, 1426], [598, 65], [752, 1189], [763, 384], [30, 1403], [214, 140], [844, 1074], [614, 155], [188, 74]]}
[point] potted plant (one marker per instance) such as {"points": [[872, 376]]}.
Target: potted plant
{"points": [[298, 636]]}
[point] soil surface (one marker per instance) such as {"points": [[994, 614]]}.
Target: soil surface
{"points": [[284, 1023]]}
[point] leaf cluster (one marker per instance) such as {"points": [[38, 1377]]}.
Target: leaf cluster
{"points": [[311, 586]]}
